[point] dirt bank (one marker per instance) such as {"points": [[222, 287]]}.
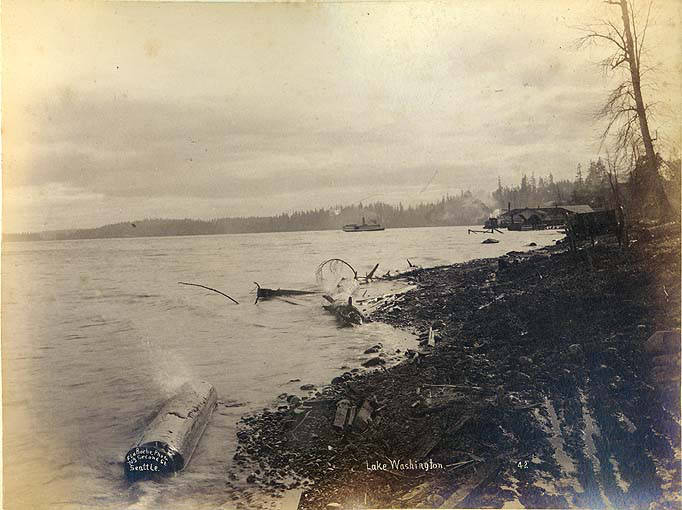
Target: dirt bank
{"points": [[537, 393]]}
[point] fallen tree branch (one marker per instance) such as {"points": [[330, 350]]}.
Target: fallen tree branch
{"points": [[209, 288], [370, 275]]}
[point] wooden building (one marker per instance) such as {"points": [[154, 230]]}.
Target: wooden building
{"points": [[538, 218]]}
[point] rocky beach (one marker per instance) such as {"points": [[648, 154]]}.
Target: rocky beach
{"points": [[536, 388]]}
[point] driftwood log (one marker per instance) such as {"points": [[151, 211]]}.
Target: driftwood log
{"points": [[168, 443], [346, 313], [263, 293]]}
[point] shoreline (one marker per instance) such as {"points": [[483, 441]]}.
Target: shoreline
{"points": [[534, 394], [29, 237]]}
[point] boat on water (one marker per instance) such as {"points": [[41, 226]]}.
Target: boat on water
{"points": [[364, 227]]}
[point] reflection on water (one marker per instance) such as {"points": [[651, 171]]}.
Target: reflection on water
{"points": [[97, 333]]}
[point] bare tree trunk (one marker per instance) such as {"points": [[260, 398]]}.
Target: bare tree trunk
{"points": [[636, 85], [652, 179]]}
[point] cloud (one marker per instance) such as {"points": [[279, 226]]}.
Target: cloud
{"points": [[258, 107]]}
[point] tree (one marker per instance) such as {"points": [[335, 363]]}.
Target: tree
{"points": [[615, 163], [577, 194], [579, 175], [625, 110]]}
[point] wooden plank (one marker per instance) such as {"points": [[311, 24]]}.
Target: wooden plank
{"points": [[482, 477], [290, 499]]}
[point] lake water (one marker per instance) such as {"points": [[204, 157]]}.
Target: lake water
{"points": [[96, 334]]}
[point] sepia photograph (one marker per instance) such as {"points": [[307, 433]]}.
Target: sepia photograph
{"points": [[341, 255]]}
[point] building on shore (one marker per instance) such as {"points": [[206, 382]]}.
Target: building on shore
{"points": [[539, 218]]}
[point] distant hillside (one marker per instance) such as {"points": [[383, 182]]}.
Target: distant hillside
{"points": [[463, 209]]}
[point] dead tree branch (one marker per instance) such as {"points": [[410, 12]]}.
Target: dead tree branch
{"points": [[209, 288]]}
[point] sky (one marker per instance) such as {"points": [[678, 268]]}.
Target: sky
{"points": [[116, 111]]}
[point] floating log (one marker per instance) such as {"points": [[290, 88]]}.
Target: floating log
{"points": [[169, 441], [265, 293], [345, 312]]}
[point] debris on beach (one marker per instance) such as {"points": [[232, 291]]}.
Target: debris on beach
{"points": [[363, 417], [539, 388], [490, 240], [345, 414]]}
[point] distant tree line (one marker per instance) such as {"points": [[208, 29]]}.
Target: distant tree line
{"points": [[633, 174], [462, 209], [588, 187], [603, 184]]}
